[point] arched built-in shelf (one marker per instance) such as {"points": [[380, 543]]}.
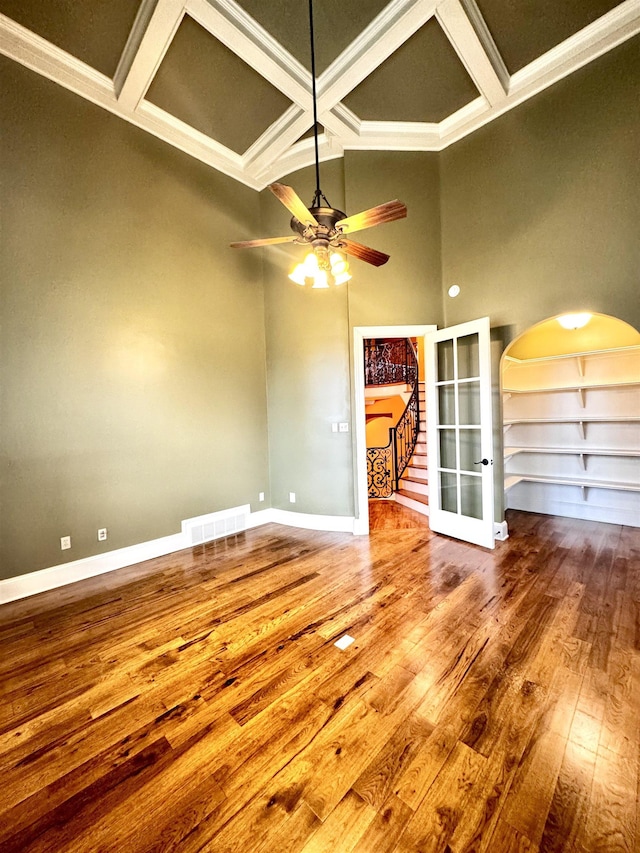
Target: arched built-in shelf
{"points": [[573, 421]]}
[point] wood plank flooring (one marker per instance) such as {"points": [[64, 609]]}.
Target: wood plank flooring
{"points": [[490, 701]]}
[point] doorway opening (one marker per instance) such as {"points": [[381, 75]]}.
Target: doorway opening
{"points": [[395, 401], [362, 334]]}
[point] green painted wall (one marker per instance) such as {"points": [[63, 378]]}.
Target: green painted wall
{"points": [[407, 289], [309, 333], [308, 367], [132, 338], [540, 208], [150, 374]]}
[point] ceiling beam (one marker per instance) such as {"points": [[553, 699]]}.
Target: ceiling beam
{"points": [[391, 28], [153, 30], [279, 150], [602, 35], [299, 156], [473, 43], [38, 54], [276, 140], [238, 31], [607, 32]]}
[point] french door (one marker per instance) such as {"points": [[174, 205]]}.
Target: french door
{"points": [[460, 432]]}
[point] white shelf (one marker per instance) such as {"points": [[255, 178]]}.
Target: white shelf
{"points": [[575, 356], [574, 419], [573, 451], [513, 479], [582, 386], [553, 458]]}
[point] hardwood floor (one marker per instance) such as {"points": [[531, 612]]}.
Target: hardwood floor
{"points": [[490, 701]]}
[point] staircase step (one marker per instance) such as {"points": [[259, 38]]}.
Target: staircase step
{"points": [[412, 500], [419, 471], [414, 496], [419, 459], [420, 448], [412, 478], [414, 484]]}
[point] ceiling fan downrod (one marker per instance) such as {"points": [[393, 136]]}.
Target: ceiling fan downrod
{"points": [[318, 196]]}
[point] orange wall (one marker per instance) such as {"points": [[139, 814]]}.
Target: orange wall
{"points": [[378, 428]]}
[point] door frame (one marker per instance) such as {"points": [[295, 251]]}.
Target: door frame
{"points": [[360, 333]]}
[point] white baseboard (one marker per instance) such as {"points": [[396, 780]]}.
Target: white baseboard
{"points": [[501, 530], [22, 586], [337, 523], [53, 577], [262, 516]]}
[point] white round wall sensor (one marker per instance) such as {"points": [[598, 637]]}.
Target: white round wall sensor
{"points": [[454, 290]]}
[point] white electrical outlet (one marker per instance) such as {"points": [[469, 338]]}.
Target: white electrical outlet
{"points": [[261, 496], [343, 427], [65, 543], [102, 534], [292, 497]]}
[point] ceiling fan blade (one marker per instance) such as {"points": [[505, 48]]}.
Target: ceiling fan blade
{"points": [[364, 253], [292, 201], [387, 212], [265, 241]]}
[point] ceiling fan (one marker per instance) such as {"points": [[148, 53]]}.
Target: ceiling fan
{"points": [[324, 228]]}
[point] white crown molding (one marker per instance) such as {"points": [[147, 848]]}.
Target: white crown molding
{"points": [[460, 31], [607, 32], [52, 62], [460, 121], [231, 25], [392, 27], [397, 136], [278, 152], [299, 156], [342, 122], [153, 30], [486, 39], [612, 29], [181, 135], [36, 53], [276, 140]]}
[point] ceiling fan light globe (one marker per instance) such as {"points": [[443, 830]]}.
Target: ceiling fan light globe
{"points": [[338, 264], [299, 275], [342, 278], [321, 279], [310, 265]]}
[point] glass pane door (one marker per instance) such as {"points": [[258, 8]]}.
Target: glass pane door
{"points": [[460, 432]]}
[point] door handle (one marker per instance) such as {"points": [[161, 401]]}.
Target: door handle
{"points": [[482, 462]]}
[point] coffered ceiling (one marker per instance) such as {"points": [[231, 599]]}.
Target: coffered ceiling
{"points": [[229, 82]]}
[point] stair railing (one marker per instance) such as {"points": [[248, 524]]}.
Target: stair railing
{"points": [[386, 465]]}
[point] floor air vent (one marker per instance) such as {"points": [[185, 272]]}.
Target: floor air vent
{"points": [[215, 525]]}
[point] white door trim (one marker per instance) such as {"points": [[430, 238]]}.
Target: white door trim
{"points": [[361, 498]]}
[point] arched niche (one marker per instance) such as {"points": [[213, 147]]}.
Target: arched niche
{"points": [[571, 416]]}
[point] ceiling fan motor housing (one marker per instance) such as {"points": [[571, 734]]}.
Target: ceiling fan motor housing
{"points": [[326, 217], [323, 235]]}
